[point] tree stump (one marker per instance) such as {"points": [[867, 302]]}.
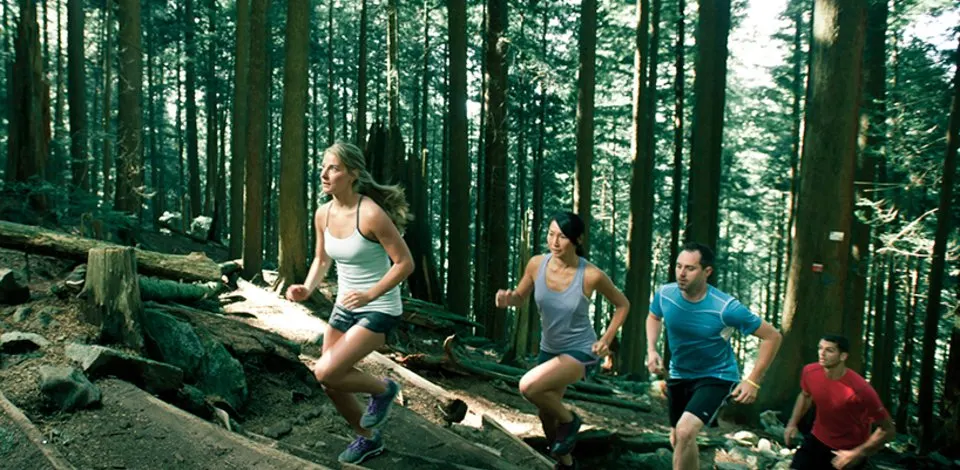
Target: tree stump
{"points": [[113, 299]]}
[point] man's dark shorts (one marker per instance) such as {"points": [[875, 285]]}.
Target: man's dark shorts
{"points": [[342, 319], [703, 397], [590, 362], [814, 455]]}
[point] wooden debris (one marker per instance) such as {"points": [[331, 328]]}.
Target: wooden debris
{"points": [[36, 240], [49, 452], [523, 455]]}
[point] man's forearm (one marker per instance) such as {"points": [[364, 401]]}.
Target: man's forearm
{"points": [[799, 409], [876, 441], [653, 332], [768, 350]]}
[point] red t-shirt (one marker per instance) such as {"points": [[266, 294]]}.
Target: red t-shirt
{"points": [[845, 407]]}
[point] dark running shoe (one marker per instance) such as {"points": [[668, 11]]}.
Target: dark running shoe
{"points": [[362, 449], [378, 407], [566, 436]]}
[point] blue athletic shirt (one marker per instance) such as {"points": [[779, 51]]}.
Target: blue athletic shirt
{"points": [[699, 332]]}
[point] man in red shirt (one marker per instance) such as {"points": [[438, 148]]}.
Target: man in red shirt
{"points": [[846, 407]]}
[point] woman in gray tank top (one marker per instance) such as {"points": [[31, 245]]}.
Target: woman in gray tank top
{"points": [[360, 230], [563, 282]]}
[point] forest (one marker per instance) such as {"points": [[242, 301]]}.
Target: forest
{"points": [[812, 143]]}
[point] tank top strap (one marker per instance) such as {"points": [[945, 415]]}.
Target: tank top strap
{"points": [[358, 211], [578, 278], [542, 270]]}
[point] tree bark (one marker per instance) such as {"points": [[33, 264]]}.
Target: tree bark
{"points": [[362, 79], [494, 233], [458, 256], [931, 325], [640, 238], [77, 94], [820, 255], [256, 144], [586, 85], [212, 103], [679, 79], [293, 159], [238, 133], [107, 47], [193, 267], [130, 115], [905, 395], [193, 153], [29, 137], [112, 291], [871, 147], [709, 88]]}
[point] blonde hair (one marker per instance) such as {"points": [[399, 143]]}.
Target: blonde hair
{"points": [[389, 197]]}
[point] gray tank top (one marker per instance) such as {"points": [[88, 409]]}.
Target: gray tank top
{"points": [[564, 316]]}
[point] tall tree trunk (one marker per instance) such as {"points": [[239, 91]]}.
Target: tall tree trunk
{"points": [[107, 44], [950, 411], [586, 85], [883, 381], [156, 172], [879, 313], [77, 94], [331, 105], [871, 142], [362, 78], [59, 152], [905, 395], [494, 233], [639, 242], [293, 158], [213, 158], [458, 281], [424, 283], [679, 79], [130, 114], [238, 134], [931, 324], [480, 202], [193, 153], [709, 88], [256, 145], [29, 137], [445, 181], [819, 268], [797, 7]]}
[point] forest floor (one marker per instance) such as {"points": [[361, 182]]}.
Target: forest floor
{"points": [[134, 430]]}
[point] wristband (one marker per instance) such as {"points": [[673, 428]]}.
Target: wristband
{"points": [[755, 385]]}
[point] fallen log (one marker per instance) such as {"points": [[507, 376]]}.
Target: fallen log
{"points": [[36, 240], [173, 291], [512, 374], [519, 452], [510, 386], [41, 445]]}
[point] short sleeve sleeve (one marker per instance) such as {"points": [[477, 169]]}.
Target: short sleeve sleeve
{"points": [[875, 410], [655, 308], [741, 318]]}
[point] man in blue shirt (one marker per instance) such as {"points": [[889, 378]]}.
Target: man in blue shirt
{"points": [[703, 368]]}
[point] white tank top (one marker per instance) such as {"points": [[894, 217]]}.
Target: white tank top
{"points": [[361, 263]]}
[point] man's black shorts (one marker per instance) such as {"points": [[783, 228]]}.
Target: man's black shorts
{"points": [[814, 455], [703, 397]]}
